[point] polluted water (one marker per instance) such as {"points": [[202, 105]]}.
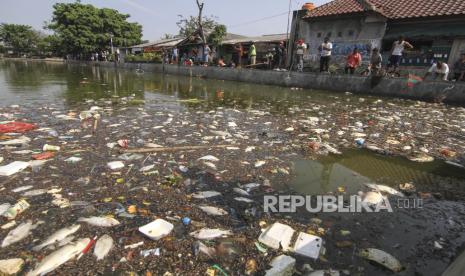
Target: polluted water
{"points": [[109, 172]]}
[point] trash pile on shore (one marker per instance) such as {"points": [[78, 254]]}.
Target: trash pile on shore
{"points": [[116, 186]]}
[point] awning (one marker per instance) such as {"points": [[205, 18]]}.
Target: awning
{"points": [[425, 30]]}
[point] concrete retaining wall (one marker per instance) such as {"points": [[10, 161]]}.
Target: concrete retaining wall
{"points": [[394, 87]]}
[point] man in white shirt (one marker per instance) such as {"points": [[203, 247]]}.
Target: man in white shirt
{"points": [[397, 51], [325, 50], [440, 69], [301, 49]]}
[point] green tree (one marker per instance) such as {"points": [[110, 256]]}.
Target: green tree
{"points": [[214, 31], [22, 38], [82, 29]]}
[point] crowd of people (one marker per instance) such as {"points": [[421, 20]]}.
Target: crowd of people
{"points": [[275, 58]]}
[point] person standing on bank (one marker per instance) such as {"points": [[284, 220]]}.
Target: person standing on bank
{"points": [[397, 50], [253, 54], [239, 53], [206, 54], [353, 61], [325, 50], [301, 49]]}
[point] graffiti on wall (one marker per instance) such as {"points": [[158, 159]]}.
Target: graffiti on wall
{"points": [[346, 47]]}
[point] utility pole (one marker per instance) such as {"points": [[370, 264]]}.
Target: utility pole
{"points": [[200, 5]]}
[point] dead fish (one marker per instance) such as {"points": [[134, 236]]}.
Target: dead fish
{"points": [[331, 149], [243, 199], [61, 243], [210, 165], [214, 211], [373, 198], [210, 234], [19, 141], [100, 221], [384, 189], [209, 158], [241, 192], [22, 189], [18, 234], [205, 194], [201, 247], [249, 149], [59, 257], [103, 247], [220, 133], [421, 158], [58, 236], [36, 192], [382, 258]]}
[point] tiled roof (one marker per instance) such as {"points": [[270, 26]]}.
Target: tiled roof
{"points": [[393, 9]]}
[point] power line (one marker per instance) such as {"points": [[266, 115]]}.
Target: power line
{"points": [[258, 20]]}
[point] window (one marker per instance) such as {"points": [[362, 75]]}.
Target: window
{"points": [[329, 34], [339, 34], [351, 32], [318, 35]]}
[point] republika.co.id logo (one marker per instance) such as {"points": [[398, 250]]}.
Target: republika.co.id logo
{"points": [[324, 203]]}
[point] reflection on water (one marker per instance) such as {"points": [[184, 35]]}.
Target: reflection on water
{"points": [[355, 167], [71, 84]]}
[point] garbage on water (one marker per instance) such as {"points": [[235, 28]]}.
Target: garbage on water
{"points": [[115, 165], [382, 258], [48, 147], [13, 168], [103, 246], [277, 236], [43, 156], [16, 127], [150, 252], [157, 229], [308, 245], [11, 266], [16, 209], [282, 265]]}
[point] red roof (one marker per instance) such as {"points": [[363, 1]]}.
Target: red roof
{"points": [[392, 9]]}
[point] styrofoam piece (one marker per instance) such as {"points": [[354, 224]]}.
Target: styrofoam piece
{"points": [[308, 245], [157, 229], [277, 235]]}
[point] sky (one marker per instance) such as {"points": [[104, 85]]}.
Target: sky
{"points": [[244, 17]]}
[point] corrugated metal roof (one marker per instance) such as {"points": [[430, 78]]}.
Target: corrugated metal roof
{"points": [[257, 39], [159, 43]]}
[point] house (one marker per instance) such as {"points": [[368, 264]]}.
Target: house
{"points": [[263, 44], [193, 45], [436, 28]]}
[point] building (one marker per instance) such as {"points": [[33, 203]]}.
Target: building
{"points": [[435, 27], [264, 44]]}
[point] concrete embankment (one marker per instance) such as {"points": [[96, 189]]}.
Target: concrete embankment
{"points": [[449, 92]]}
